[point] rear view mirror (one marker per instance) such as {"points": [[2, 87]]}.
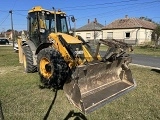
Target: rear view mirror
{"points": [[70, 32], [73, 19]]}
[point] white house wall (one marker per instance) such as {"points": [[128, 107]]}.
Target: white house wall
{"points": [[142, 35], [83, 34], [145, 35]]}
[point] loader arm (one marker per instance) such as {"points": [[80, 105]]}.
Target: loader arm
{"points": [[116, 48], [101, 81]]}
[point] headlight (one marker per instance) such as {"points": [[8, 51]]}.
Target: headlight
{"points": [[52, 40]]}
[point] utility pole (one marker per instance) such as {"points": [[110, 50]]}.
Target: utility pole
{"points": [[94, 34], [75, 28], [13, 38]]}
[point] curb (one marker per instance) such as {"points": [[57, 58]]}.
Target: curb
{"points": [[145, 66]]}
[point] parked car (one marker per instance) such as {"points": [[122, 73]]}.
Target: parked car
{"points": [[3, 41], [15, 47]]}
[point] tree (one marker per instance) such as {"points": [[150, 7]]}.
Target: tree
{"points": [[156, 34], [147, 19], [9, 30], [96, 34], [16, 33]]}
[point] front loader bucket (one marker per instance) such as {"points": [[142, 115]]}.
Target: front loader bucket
{"points": [[96, 84]]}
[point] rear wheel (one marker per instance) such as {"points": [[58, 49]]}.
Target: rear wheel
{"points": [[28, 60], [52, 68]]}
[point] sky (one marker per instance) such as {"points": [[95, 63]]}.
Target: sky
{"points": [[103, 10]]}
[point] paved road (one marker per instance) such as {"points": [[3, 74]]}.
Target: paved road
{"points": [[7, 45], [146, 60]]}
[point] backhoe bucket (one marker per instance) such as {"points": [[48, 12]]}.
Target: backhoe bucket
{"points": [[96, 84]]}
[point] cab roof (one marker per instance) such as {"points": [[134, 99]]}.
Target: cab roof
{"points": [[39, 8]]}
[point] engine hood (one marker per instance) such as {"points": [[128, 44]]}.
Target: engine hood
{"points": [[69, 39]]}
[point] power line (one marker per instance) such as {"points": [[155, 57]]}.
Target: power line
{"points": [[14, 4], [15, 25], [71, 8], [20, 10], [12, 10], [89, 5], [83, 17], [19, 14], [112, 6], [113, 13], [3, 11], [4, 19], [101, 4]]}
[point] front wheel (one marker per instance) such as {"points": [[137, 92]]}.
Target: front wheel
{"points": [[52, 68]]}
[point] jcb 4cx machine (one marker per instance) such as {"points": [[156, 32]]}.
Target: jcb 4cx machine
{"points": [[65, 61]]}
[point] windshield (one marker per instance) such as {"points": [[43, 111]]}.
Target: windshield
{"points": [[49, 22], [62, 24]]}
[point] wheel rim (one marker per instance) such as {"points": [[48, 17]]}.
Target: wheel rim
{"points": [[24, 62], [45, 68]]}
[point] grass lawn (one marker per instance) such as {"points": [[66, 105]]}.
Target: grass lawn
{"points": [[22, 99], [141, 50], [146, 51]]}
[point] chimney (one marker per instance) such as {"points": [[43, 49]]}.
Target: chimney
{"points": [[95, 20], [126, 16], [88, 21]]}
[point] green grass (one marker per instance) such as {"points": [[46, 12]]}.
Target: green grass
{"points": [[146, 50], [8, 56], [23, 100]]}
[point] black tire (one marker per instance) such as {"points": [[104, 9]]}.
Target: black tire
{"points": [[52, 68], [28, 60], [1, 112]]}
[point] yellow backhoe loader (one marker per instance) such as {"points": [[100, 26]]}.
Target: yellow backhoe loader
{"points": [[67, 62]]}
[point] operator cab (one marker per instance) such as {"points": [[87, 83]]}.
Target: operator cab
{"points": [[42, 22]]}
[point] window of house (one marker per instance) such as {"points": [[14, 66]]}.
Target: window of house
{"points": [[78, 33], [88, 35], [127, 34], [109, 35]]}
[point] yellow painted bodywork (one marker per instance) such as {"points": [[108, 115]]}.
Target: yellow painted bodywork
{"points": [[54, 37], [70, 40], [87, 55], [20, 51], [43, 70], [39, 8], [57, 45]]}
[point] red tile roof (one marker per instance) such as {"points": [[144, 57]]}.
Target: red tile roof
{"points": [[127, 23], [8, 33], [90, 27]]}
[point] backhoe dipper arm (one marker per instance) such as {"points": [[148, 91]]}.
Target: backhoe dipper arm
{"points": [[116, 48]]}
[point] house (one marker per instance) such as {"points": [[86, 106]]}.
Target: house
{"points": [[9, 35], [129, 30], [90, 31], [2, 34]]}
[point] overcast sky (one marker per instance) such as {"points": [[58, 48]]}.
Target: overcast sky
{"points": [[105, 11]]}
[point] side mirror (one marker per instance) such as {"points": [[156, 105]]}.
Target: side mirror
{"points": [[73, 19], [71, 32]]}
